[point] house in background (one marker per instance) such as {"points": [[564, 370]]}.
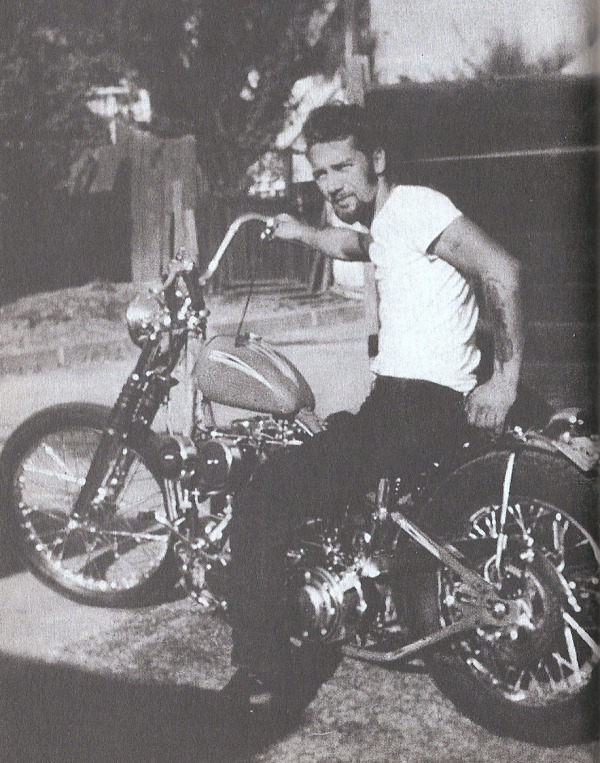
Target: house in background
{"points": [[124, 101]]}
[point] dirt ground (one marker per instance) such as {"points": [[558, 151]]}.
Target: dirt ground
{"points": [[147, 690]]}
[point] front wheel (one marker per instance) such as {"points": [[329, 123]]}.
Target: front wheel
{"points": [[537, 681], [113, 553]]}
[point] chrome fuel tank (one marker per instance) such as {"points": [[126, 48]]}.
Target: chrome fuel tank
{"points": [[251, 375]]}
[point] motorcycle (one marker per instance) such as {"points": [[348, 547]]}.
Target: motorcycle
{"points": [[486, 566]]}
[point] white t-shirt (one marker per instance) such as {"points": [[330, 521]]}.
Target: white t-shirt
{"points": [[427, 310]]}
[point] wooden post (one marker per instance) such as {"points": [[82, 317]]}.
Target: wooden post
{"points": [[190, 235], [356, 75], [163, 189], [350, 30], [177, 211]]}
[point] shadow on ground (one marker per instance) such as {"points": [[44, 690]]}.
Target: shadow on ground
{"points": [[8, 564], [51, 713]]}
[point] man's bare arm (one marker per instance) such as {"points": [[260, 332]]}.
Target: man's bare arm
{"points": [[471, 251], [339, 243]]}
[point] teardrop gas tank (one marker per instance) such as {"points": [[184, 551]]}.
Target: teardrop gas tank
{"points": [[251, 375]]}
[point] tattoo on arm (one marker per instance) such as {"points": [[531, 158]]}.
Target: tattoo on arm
{"points": [[503, 344]]}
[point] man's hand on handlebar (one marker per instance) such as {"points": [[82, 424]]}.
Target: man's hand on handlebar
{"points": [[288, 228]]}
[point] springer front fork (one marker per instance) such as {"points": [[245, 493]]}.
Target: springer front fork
{"points": [[137, 405]]}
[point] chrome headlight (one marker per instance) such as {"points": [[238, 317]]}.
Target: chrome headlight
{"points": [[145, 316]]}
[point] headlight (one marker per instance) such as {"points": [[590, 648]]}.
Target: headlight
{"points": [[145, 316]]}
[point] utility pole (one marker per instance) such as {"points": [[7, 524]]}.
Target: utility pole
{"points": [[356, 76], [356, 68]]}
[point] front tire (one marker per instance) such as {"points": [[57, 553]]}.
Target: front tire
{"points": [[113, 554], [538, 683]]}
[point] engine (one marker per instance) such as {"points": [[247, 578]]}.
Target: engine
{"points": [[221, 460], [339, 578], [327, 606], [340, 587], [224, 463], [204, 474], [226, 458]]}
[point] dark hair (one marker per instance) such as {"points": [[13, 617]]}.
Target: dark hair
{"points": [[337, 121]]}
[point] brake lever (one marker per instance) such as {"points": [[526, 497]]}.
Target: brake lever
{"points": [[269, 230], [178, 266]]}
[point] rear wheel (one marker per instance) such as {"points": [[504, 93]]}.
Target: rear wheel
{"points": [[114, 552], [538, 681]]}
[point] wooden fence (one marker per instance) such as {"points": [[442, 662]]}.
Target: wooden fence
{"points": [[51, 240], [118, 223], [249, 258]]}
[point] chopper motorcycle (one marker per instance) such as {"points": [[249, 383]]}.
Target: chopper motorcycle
{"points": [[486, 566]]}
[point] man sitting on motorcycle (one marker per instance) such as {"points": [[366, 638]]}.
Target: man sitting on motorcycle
{"points": [[426, 255]]}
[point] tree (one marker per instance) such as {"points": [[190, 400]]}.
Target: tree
{"points": [[50, 55], [223, 71], [219, 69], [507, 58]]}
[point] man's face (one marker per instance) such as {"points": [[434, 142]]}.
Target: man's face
{"points": [[346, 178]]}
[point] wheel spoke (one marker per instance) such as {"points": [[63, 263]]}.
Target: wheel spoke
{"points": [[54, 456], [89, 562], [583, 634], [549, 561], [574, 661], [65, 477]]}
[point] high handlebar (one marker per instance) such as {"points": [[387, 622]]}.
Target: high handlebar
{"points": [[232, 230], [184, 266]]}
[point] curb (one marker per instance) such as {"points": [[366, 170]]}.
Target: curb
{"points": [[121, 347]]}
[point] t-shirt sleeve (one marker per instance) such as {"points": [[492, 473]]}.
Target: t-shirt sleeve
{"points": [[422, 214]]}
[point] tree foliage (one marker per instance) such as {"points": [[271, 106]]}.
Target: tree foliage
{"points": [[224, 70], [220, 69], [49, 57], [507, 58]]}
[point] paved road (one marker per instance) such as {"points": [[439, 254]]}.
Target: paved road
{"points": [[83, 684]]}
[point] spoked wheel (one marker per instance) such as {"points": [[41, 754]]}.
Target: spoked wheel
{"points": [[537, 680], [114, 552]]}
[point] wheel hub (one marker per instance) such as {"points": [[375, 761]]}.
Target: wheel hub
{"points": [[537, 591]]}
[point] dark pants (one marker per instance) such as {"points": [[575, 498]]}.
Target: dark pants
{"points": [[401, 428]]}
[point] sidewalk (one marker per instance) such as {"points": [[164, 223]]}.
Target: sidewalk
{"points": [[87, 323]]}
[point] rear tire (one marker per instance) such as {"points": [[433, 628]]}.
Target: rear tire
{"points": [[117, 554], [541, 685]]}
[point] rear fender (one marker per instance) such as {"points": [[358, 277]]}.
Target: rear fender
{"points": [[484, 472]]}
